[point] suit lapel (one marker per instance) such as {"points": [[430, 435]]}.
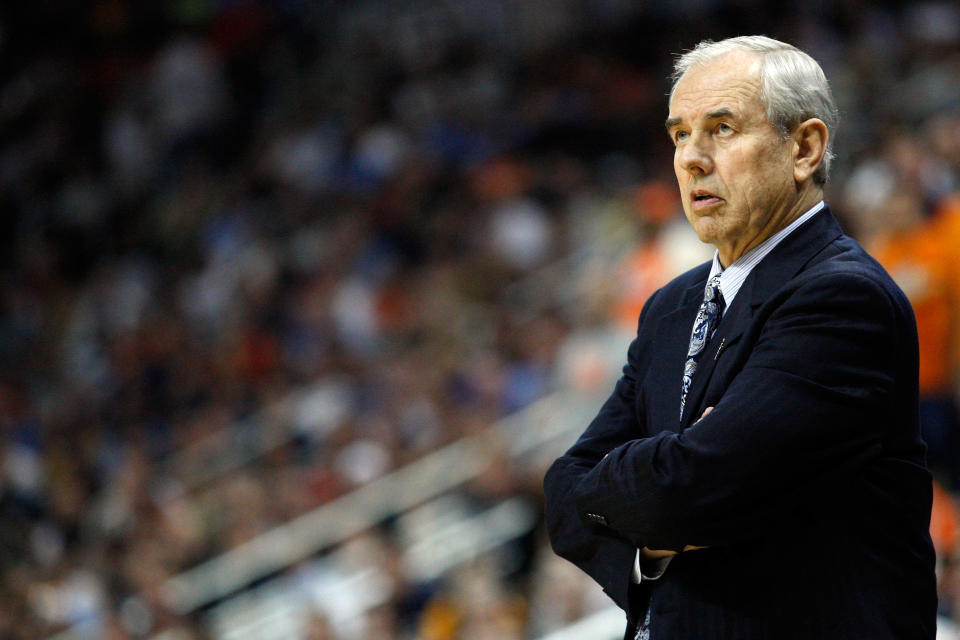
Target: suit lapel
{"points": [[790, 256], [781, 264]]}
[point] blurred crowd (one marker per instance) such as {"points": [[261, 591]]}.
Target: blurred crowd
{"points": [[414, 207]]}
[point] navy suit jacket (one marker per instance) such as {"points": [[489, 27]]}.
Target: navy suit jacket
{"points": [[807, 481]]}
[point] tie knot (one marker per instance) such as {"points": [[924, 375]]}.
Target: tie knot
{"points": [[712, 292]]}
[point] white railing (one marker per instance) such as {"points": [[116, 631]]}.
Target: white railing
{"points": [[542, 431], [343, 592], [436, 473]]}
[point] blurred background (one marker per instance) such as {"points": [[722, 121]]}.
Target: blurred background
{"points": [[299, 299]]}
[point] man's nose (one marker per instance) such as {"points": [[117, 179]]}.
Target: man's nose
{"points": [[694, 156]]}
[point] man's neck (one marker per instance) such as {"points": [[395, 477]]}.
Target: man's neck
{"points": [[730, 254]]}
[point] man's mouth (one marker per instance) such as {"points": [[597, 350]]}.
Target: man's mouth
{"points": [[704, 199]]}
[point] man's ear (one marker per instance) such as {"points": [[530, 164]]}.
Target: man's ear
{"points": [[810, 144]]}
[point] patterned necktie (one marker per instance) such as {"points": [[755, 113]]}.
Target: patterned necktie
{"points": [[643, 629], [708, 317]]}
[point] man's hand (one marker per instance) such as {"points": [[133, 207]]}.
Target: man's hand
{"points": [[657, 554]]}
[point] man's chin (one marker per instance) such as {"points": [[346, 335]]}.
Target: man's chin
{"points": [[706, 229]]}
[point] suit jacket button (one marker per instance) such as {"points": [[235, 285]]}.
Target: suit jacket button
{"points": [[596, 517]]}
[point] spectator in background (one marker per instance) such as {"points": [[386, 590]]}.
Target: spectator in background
{"points": [[666, 246], [917, 248]]}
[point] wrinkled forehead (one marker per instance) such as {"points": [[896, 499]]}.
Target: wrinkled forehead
{"points": [[731, 78]]}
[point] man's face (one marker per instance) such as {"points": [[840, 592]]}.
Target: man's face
{"points": [[733, 167]]}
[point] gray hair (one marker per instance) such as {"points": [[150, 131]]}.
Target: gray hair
{"points": [[793, 86]]}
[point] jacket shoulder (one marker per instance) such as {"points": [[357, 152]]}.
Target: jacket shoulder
{"points": [[844, 260]]}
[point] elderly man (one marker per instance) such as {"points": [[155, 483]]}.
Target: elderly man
{"points": [[758, 471]]}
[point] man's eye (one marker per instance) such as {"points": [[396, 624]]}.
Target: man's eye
{"points": [[724, 129], [680, 136]]}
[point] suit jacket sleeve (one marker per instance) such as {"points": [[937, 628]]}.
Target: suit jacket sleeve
{"points": [[601, 552], [805, 412]]}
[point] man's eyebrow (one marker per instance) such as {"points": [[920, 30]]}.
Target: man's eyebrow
{"points": [[719, 113], [713, 115]]}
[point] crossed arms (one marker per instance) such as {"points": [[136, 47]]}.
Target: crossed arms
{"points": [[808, 408]]}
